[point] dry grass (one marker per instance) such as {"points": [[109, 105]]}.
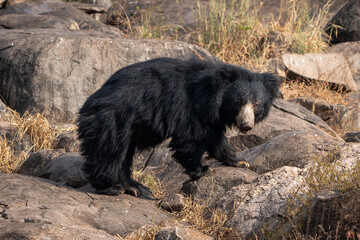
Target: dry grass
{"points": [[36, 126], [152, 182], [315, 89], [326, 173]]}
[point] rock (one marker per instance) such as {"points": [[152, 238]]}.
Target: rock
{"points": [[351, 52], [335, 115], [34, 164], [4, 111], [66, 169], [276, 66], [94, 10], [348, 18], [334, 215], [180, 233], [262, 202], [288, 117], [289, 149], [327, 67], [352, 137], [34, 209], [209, 189], [65, 67], [51, 14], [68, 141], [173, 203], [21, 21]]}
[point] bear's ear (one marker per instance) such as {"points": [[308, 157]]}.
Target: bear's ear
{"points": [[228, 73], [272, 83]]}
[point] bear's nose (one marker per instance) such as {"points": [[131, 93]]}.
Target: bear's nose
{"points": [[246, 127]]}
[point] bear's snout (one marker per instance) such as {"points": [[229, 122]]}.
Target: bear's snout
{"points": [[246, 118]]}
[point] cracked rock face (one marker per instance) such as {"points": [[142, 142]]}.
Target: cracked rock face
{"points": [[33, 208], [63, 67]]}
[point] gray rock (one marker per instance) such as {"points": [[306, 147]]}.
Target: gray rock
{"points": [[289, 149], [334, 215], [288, 117], [180, 233], [68, 141], [70, 65], [327, 67], [209, 189], [351, 52], [34, 209], [4, 111], [255, 205], [335, 115], [348, 18], [66, 169], [352, 137], [173, 203], [34, 164], [51, 14]]}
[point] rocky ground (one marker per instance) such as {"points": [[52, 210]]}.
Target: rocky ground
{"points": [[54, 54]]}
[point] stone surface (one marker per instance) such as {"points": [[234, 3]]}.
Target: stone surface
{"points": [[262, 202], [348, 18], [288, 117], [352, 137], [34, 209], [34, 164], [4, 111], [65, 67], [173, 203], [335, 115], [334, 215], [66, 169], [210, 188], [351, 52], [57, 14], [289, 149], [180, 233], [328, 67], [68, 141]]}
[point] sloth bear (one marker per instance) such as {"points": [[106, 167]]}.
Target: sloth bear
{"points": [[189, 101]]}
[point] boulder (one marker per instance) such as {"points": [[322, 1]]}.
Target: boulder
{"points": [[35, 163], [68, 141], [289, 149], [351, 52], [326, 67], [334, 215], [65, 169], [261, 203], [352, 137], [64, 67], [51, 14], [348, 18], [34, 209], [335, 115]]}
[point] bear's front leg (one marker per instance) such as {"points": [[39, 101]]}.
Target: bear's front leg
{"points": [[223, 152], [189, 156]]}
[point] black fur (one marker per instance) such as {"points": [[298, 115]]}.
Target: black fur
{"points": [[143, 104]]}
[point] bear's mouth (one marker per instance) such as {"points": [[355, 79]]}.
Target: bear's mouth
{"points": [[245, 118]]}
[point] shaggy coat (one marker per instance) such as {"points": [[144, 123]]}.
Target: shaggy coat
{"points": [[189, 101]]}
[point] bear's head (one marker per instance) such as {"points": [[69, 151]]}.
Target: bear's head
{"points": [[248, 96]]}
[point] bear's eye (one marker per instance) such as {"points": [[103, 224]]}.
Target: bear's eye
{"points": [[256, 104]]}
